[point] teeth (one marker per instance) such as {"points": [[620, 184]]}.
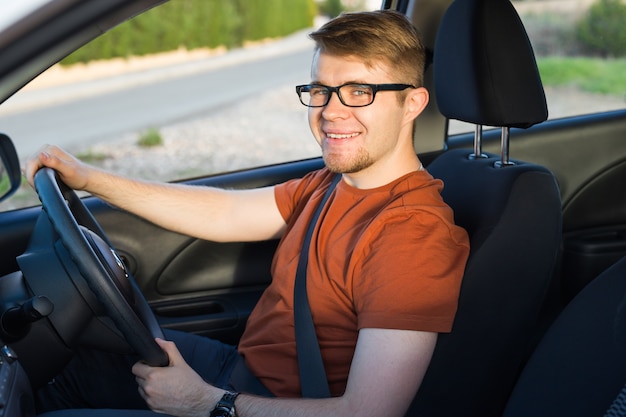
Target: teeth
{"points": [[336, 136]]}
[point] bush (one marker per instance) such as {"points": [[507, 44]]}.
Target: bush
{"points": [[331, 8], [192, 24], [603, 29]]}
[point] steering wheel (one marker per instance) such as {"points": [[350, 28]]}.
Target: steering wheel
{"points": [[101, 267]]}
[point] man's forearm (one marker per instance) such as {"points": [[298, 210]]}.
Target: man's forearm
{"points": [[203, 212], [248, 406]]}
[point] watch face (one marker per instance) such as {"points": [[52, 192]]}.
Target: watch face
{"points": [[226, 406]]}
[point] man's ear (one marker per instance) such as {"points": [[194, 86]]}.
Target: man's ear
{"points": [[416, 101]]}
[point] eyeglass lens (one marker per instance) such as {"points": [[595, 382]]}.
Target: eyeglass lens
{"points": [[355, 95]]}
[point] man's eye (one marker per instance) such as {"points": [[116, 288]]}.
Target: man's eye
{"points": [[318, 91], [360, 91]]}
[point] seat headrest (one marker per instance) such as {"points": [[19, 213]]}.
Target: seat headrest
{"points": [[484, 66]]}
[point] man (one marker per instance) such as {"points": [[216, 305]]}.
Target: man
{"points": [[386, 262]]}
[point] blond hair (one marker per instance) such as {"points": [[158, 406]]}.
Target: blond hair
{"points": [[379, 36]]}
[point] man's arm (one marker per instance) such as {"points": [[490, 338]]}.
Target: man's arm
{"points": [[203, 212], [386, 371]]}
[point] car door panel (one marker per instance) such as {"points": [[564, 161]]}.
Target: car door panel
{"points": [[16, 228], [195, 285], [588, 156]]}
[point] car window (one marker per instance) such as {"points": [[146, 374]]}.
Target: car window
{"points": [[181, 113], [191, 112], [580, 55]]}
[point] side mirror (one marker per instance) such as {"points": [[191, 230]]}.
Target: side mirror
{"points": [[10, 174]]}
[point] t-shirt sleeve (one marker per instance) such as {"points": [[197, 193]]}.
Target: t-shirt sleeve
{"points": [[411, 272], [291, 195]]}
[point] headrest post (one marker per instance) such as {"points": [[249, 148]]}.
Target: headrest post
{"points": [[504, 148], [478, 143]]}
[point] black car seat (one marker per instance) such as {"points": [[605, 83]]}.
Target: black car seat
{"points": [[579, 367], [485, 73]]}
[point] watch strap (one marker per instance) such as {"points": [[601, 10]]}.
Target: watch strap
{"points": [[225, 407]]}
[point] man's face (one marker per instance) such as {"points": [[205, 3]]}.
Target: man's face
{"points": [[356, 139]]}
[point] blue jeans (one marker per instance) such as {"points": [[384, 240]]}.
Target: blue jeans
{"points": [[103, 381]]}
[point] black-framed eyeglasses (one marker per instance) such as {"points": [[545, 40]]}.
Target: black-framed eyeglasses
{"points": [[350, 94]]}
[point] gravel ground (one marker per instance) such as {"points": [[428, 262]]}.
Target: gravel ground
{"points": [[253, 132]]}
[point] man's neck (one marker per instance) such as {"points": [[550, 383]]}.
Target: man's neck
{"points": [[381, 174]]}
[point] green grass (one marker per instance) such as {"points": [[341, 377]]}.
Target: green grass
{"points": [[5, 184], [25, 196], [595, 75], [149, 138], [91, 157]]}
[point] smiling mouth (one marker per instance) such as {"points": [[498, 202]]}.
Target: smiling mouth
{"points": [[341, 136]]}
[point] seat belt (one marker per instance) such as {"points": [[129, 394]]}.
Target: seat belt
{"points": [[618, 407], [313, 381]]}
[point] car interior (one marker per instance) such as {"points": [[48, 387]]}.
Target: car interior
{"points": [[539, 328]]}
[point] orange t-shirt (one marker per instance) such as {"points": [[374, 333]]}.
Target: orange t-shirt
{"points": [[389, 257]]}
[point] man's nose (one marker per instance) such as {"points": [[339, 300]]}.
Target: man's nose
{"points": [[334, 106]]}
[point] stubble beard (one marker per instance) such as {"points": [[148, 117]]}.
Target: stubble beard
{"points": [[340, 164]]}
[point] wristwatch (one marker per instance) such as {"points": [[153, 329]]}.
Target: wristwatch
{"points": [[226, 406]]}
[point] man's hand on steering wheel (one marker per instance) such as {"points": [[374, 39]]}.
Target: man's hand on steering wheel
{"points": [[71, 171]]}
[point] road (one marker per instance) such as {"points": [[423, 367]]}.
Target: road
{"points": [[89, 112]]}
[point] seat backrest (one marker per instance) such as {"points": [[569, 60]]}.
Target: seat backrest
{"points": [[579, 367], [485, 73]]}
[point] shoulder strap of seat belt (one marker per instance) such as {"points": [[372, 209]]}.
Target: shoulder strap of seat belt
{"points": [[618, 406], [313, 381]]}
